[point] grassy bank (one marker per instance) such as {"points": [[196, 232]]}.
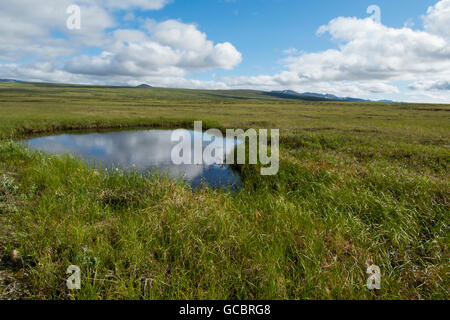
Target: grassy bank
{"points": [[359, 184]]}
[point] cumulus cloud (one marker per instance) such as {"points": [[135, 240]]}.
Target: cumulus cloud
{"points": [[442, 85], [36, 45], [373, 51], [437, 19], [172, 48], [34, 31], [370, 56]]}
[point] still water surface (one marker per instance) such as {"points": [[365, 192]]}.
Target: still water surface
{"points": [[142, 150]]}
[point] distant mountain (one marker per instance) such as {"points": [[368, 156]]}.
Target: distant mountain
{"points": [[143, 86], [333, 97], [289, 94], [11, 80], [323, 97]]}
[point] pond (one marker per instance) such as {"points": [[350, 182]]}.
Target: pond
{"points": [[144, 151]]}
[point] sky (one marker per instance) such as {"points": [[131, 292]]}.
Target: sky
{"points": [[399, 50]]}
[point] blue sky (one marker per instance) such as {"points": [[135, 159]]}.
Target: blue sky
{"points": [[262, 29], [233, 44]]}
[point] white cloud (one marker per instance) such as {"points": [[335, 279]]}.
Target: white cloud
{"points": [[31, 29], [173, 48], [369, 50], [193, 47], [291, 51], [441, 85], [28, 30], [154, 52], [369, 58], [437, 19]]}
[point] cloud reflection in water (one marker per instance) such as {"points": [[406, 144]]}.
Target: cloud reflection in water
{"points": [[143, 150]]}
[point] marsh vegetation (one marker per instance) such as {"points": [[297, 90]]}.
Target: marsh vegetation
{"points": [[358, 184]]}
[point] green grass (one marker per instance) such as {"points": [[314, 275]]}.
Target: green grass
{"points": [[359, 184]]}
